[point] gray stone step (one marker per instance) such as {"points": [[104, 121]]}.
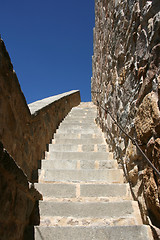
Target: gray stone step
{"points": [[69, 120], [78, 131], [78, 141], [81, 164], [78, 124], [104, 190], [82, 115], [57, 190], [78, 147], [63, 147], [79, 156], [63, 190], [78, 127], [94, 233], [78, 136], [83, 110], [77, 120], [108, 175], [87, 209]]}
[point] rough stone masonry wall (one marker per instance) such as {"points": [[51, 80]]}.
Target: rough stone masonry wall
{"points": [[126, 75], [25, 136]]}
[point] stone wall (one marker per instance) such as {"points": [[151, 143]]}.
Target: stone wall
{"points": [[26, 135], [18, 201], [126, 78]]}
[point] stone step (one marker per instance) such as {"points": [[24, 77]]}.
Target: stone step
{"points": [[85, 175], [82, 114], [79, 123], [83, 110], [80, 156], [78, 136], [70, 121], [104, 190], [93, 190], [60, 190], [139, 232], [77, 210], [86, 221], [88, 109], [79, 148], [75, 119], [78, 131], [80, 164], [78, 141], [79, 127]]}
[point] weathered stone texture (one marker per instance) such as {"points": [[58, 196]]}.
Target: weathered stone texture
{"points": [[25, 136], [126, 75], [18, 199]]}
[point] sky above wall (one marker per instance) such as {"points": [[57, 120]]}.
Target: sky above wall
{"points": [[50, 44]]}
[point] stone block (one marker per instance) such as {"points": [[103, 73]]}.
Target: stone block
{"points": [[94, 232]]}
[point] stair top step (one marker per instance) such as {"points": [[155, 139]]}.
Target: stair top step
{"points": [[94, 232]]}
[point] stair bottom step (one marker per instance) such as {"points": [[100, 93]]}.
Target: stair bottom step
{"points": [[94, 233]]}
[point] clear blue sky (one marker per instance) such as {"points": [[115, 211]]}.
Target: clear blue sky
{"points": [[50, 44]]}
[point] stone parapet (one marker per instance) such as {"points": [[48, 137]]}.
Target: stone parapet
{"points": [[126, 78], [26, 134], [18, 202]]}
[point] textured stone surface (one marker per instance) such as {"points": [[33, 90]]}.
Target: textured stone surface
{"points": [[18, 199], [126, 73], [90, 233], [24, 135]]}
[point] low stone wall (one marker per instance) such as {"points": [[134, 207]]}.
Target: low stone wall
{"points": [[26, 135], [126, 78], [18, 201]]}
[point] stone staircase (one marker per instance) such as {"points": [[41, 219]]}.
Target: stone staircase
{"points": [[83, 189]]}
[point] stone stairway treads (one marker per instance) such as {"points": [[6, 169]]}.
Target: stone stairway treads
{"points": [[83, 164], [84, 194], [94, 233], [89, 175]]}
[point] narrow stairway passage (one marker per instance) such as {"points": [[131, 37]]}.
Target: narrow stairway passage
{"points": [[84, 194]]}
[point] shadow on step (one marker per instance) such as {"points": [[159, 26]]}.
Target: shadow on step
{"points": [[34, 220], [29, 233]]}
